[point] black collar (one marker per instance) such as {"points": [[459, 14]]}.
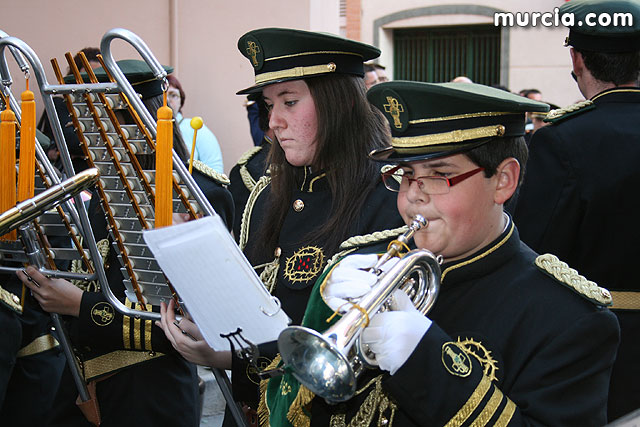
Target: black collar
{"points": [[618, 94], [485, 260]]}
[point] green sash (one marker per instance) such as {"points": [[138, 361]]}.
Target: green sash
{"points": [[284, 401]]}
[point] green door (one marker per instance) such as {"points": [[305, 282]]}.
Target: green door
{"points": [[440, 54]]}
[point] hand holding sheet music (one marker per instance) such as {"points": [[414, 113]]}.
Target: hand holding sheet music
{"points": [[219, 287]]}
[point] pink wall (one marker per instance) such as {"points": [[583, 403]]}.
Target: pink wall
{"points": [[203, 47]]}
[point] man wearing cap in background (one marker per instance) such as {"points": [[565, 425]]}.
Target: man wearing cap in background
{"points": [[513, 338], [580, 199]]}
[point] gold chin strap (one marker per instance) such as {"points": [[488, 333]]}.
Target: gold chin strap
{"points": [[448, 137], [296, 72]]}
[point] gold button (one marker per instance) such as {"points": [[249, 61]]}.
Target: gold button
{"points": [[277, 252], [331, 67], [298, 205]]}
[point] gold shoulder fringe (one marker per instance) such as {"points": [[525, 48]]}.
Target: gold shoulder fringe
{"points": [[570, 277], [207, 170], [248, 155], [296, 414], [263, 410], [562, 113]]}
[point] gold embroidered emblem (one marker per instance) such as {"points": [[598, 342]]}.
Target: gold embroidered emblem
{"points": [[252, 372], [304, 264], [102, 314], [394, 108], [480, 352], [456, 360], [285, 388], [253, 50]]}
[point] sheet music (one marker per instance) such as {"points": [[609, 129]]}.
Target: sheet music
{"points": [[219, 287]]}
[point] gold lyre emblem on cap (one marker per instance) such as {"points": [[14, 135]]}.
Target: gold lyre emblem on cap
{"points": [[253, 49], [394, 108]]}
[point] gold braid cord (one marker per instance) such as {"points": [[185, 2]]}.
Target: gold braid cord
{"points": [[376, 402], [270, 272], [207, 170], [559, 112], [247, 179], [352, 243], [248, 209], [76, 267], [570, 277]]}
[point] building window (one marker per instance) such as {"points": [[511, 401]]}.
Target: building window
{"points": [[440, 54]]}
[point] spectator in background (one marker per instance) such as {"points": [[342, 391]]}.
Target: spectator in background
{"points": [[374, 74], [253, 114], [207, 148], [534, 94], [462, 79], [538, 118]]}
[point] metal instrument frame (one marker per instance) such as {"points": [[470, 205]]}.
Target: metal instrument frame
{"points": [[47, 91]]}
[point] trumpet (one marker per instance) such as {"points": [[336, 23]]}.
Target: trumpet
{"points": [[31, 208], [329, 363]]}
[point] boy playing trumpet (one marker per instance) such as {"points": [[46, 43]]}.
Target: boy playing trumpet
{"points": [[514, 338]]}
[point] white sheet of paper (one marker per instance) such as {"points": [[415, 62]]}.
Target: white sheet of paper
{"points": [[219, 287]]}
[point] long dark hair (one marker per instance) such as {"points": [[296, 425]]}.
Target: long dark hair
{"points": [[349, 127]]}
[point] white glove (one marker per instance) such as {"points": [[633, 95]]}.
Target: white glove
{"points": [[394, 335], [350, 280]]}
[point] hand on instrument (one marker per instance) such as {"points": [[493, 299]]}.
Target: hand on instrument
{"points": [[180, 218], [53, 295], [351, 280], [186, 338], [394, 335]]}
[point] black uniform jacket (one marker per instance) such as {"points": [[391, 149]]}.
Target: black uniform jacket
{"points": [[159, 387], [244, 175], [509, 344], [301, 262], [579, 201]]}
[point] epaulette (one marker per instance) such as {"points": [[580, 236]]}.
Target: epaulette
{"points": [[248, 180], [10, 300], [560, 114], [207, 170], [551, 265], [249, 154]]}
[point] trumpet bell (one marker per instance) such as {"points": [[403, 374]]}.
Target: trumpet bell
{"points": [[318, 363]]}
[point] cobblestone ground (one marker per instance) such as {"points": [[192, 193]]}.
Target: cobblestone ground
{"points": [[213, 402]]}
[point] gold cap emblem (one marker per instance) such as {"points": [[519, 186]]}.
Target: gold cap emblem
{"points": [[394, 108]]}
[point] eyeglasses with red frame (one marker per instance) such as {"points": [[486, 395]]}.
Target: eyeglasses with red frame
{"points": [[395, 180]]}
